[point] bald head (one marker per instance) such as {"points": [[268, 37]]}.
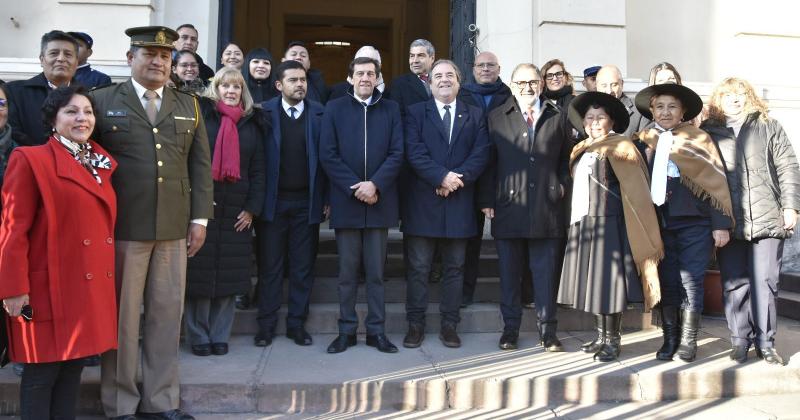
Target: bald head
{"points": [[487, 68], [609, 80]]}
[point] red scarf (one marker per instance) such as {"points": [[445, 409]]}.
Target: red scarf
{"points": [[225, 164]]}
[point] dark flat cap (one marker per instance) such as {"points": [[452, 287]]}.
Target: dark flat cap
{"points": [[83, 36], [591, 71], [152, 36]]}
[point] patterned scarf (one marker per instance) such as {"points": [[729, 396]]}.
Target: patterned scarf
{"points": [[225, 163], [83, 154], [699, 162], [640, 215]]}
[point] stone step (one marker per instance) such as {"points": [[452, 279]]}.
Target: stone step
{"points": [[477, 318], [306, 381], [789, 304], [790, 282]]}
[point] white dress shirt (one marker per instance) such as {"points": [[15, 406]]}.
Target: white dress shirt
{"points": [[440, 107], [299, 107]]}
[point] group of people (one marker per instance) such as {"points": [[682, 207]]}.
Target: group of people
{"points": [[596, 201]]}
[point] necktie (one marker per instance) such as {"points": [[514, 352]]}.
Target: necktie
{"points": [[446, 122], [150, 108], [658, 185], [424, 78], [529, 117], [292, 110]]}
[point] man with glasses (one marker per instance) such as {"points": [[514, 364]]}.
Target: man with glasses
{"points": [[609, 80], [487, 93], [522, 193]]}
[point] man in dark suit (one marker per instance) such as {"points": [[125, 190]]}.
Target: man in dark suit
{"points": [[59, 59], [609, 80], [522, 192], [447, 147], [361, 149], [317, 89], [85, 74], [487, 92], [293, 207], [413, 87], [188, 41], [164, 194]]}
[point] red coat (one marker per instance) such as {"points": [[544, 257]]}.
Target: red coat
{"points": [[56, 245]]}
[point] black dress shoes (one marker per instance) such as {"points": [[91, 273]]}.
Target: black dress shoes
{"points": [[552, 344], [176, 414], [219, 349], [449, 336], [382, 343], [414, 336], [201, 349], [242, 302], [300, 336], [262, 339], [341, 343], [508, 341], [770, 355], [739, 353]]}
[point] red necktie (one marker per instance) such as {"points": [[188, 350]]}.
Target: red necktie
{"points": [[529, 119], [423, 77]]}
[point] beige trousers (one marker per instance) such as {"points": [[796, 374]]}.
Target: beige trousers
{"points": [[150, 274]]}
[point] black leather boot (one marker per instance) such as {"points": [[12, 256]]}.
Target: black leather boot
{"points": [[594, 346], [672, 332], [612, 343], [691, 325]]}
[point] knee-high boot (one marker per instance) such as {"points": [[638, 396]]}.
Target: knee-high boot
{"points": [[671, 331], [687, 350], [612, 341], [594, 346]]}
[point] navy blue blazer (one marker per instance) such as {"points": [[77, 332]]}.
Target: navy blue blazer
{"points": [[407, 90], [431, 158], [317, 181], [359, 143]]}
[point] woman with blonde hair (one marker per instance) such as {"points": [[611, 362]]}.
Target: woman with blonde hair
{"points": [[764, 183], [221, 269]]}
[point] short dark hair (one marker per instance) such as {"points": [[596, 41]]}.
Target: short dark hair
{"points": [[176, 55], [186, 25], [296, 44], [57, 35], [363, 60], [58, 99], [287, 65]]}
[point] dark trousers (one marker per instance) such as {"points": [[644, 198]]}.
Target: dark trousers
{"points": [[750, 272], [50, 390], [361, 248], [287, 236], [687, 252], [473, 256], [544, 260], [420, 257]]}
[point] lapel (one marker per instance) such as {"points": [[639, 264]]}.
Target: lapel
{"points": [[275, 118], [460, 117], [436, 119], [131, 100], [417, 86], [168, 103], [70, 170], [311, 148]]}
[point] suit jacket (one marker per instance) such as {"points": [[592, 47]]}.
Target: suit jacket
{"points": [[57, 246], [317, 181], [91, 78], [357, 144], [407, 90], [164, 175], [431, 157], [526, 181], [25, 99], [633, 113]]}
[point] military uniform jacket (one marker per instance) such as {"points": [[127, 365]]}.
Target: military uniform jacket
{"points": [[163, 179]]}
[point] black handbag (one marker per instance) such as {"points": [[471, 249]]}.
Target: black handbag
{"points": [[3, 338]]}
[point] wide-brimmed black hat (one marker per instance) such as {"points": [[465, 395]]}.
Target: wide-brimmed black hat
{"points": [[152, 36], [616, 110], [692, 104]]}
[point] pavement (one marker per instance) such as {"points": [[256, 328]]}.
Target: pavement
{"points": [[476, 381]]}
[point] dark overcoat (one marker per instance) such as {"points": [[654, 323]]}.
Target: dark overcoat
{"points": [[25, 99], [526, 181], [431, 158], [407, 90], [362, 143]]}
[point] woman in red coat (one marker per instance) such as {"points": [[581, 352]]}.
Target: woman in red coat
{"points": [[57, 256]]}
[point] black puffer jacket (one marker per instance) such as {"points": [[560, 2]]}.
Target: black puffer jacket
{"points": [[762, 175], [223, 265]]}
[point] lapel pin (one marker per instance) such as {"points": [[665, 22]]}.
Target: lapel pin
{"points": [[459, 115]]}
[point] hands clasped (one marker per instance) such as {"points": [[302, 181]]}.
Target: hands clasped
{"points": [[366, 191], [451, 182]]}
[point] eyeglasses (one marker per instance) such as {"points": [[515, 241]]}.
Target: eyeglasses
{"points": [[522, 84], [558, 74], [3, 103], [487, 66]]}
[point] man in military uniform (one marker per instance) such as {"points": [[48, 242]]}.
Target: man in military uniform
{"points": [[164, 194]]}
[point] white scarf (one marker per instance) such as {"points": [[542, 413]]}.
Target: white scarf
{"points": [[662, 167], [580, 187]]}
